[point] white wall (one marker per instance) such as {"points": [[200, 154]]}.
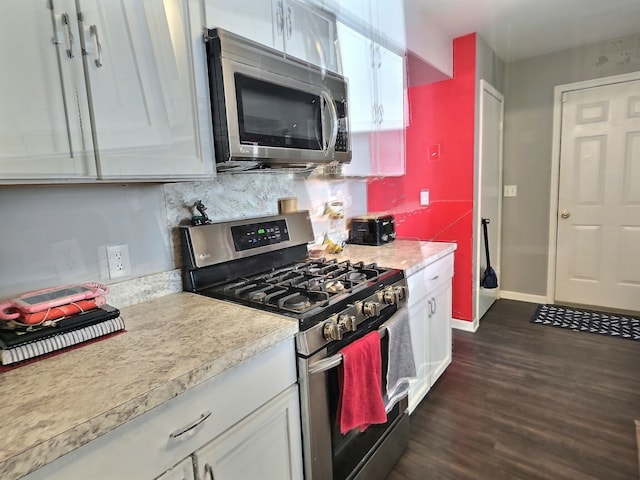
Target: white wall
{"points": [[528, 132]]}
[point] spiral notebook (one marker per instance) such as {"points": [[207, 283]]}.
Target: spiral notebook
{"points": [[18, 345]]}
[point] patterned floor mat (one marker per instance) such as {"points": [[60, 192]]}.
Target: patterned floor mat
{"points": [[621, 326]]}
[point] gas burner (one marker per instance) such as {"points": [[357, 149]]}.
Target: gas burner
{"points": [[334, 286], [258, 296], [297, 301], [356, 276], [310, 284]]}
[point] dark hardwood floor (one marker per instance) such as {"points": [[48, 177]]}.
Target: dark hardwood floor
{"points": [[527, 401]]}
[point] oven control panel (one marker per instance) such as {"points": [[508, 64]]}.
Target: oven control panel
{"points": [[357, 314], [254, 235]]}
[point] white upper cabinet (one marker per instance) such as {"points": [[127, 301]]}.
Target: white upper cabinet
{"points": [[248, 18], [382, 20], [309, 34], [140, 71], [377, 91], [357, 67], [388, 21], [391, 89], [42, 94], [295, 28], [103, 90]]}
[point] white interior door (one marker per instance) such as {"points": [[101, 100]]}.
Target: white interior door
{"points": [[598, 232], [488, 194]]}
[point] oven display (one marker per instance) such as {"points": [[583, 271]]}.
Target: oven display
{"points": [[254, 235]]}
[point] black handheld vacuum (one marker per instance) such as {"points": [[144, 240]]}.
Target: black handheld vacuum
{"points": [[489, 277]]}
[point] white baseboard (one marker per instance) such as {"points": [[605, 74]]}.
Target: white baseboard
{"points": [[465, 325], [523, 297]]}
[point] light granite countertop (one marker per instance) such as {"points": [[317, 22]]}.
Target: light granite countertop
{"points": [[171, 344], [408, 255]]}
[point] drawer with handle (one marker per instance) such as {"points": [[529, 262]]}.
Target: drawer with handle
{"points": [[429, 278]]}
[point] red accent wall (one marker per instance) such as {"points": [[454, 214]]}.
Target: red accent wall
{"points": [[441, 113]]}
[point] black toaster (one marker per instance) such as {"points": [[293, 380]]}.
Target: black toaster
{"points": [[372, 230]]}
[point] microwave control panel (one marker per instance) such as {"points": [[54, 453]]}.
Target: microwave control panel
{"points": [[342, 137]]}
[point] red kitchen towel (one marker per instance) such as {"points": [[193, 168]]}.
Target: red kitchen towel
{"points": [[360, 377]]}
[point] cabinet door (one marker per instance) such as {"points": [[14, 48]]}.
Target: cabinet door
{"points": [[267, 444], [259, 21], [389, 146], [42, 94], [139, 67], [440, 310], [390, 88], [357, 66], [388, 20], [419, 324], [309, 35], [182, 471]]}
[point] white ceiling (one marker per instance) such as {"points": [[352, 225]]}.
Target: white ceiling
{"points": [[517, 29]]}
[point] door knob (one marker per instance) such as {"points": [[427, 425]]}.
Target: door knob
{"points": [[565, 214]]}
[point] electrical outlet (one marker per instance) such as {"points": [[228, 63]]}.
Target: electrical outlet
{"points": [[67, 259], [424, 197], [510, 191], [118, 263]]}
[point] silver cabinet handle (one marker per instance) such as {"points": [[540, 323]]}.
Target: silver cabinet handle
{"points": [[68, 36], [279, 19], [381, 114], [93, 31], [434, 306], [191, 426], [435, 278], [373, 55], [289, 22], [208, 470]]}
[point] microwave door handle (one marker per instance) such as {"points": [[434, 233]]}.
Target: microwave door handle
{"points": [[334, 122]]}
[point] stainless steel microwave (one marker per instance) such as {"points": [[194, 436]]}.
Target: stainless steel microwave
{"points": [[270, 111]]}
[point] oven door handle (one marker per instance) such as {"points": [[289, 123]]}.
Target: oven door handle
{"points": [[335, 360]]}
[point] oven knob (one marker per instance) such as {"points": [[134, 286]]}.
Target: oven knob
{"points": [[332, 330], [401, 292], [348, 322], [371, 309], [391, 296]]}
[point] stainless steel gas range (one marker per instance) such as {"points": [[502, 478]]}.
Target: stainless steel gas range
{"points": [[263, 263]]}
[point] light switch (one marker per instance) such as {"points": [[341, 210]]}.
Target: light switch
{"points": [[434, 152], [510, 190], [424, 197]]}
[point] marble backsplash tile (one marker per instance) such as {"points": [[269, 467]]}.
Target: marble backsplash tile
{"points": [[228, 197]]}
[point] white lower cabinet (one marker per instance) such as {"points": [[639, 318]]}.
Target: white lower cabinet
{"points": [[182, 471], [226, 421], [430, 310], [264, 445]]}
